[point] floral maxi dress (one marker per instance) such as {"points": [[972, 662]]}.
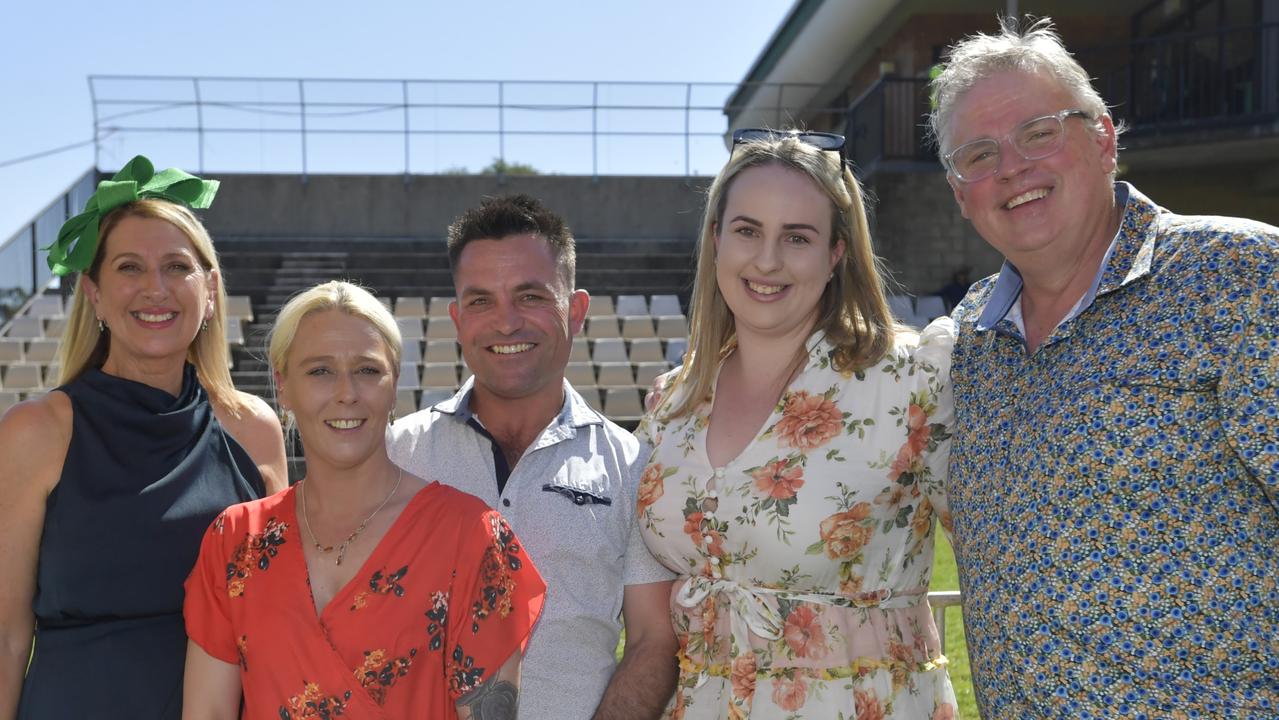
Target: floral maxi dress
{"points": [[805, 561]]}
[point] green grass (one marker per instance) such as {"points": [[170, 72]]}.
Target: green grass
{"points": [[945, 577]]}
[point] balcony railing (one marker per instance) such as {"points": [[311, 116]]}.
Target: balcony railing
{"points": [[887, 125], [1167, 84], [1191, 81]]}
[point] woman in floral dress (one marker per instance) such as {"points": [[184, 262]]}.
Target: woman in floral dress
{"points": [[798, 458]]}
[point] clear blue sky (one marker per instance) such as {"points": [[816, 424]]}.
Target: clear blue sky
{"points": [[49, 49]]}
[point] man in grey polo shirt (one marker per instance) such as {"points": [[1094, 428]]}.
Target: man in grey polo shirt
{"points": [[519, 437]]}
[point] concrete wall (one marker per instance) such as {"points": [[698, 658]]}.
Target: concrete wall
{"points": [[916, 225], [423, 206], [920, 233]]}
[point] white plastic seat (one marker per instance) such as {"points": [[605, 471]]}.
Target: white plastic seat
{"points": [[581, 350], [27, 327], [601, 306], [386, 302], [580, 374], [431, 396], [9, 399], [631, 305], [234, 332], [45, 306], [441, 351], [614, 374], [51, 372], [591, 395], [405, 402], [440, 328], [54, 327], [672, 326], [646, 350], [410, 307], [610, 350], [410, 328], [646, 373], [409, 379], [603, 326], [42, 351], [665, 305], [622, 404], [239, 306], [439, 307], [12, 350], [637, 326], [411, 352], [675, 350], [439, 375], [23, 377]]}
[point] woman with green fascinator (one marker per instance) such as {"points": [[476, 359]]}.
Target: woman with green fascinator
{"points": [[108, 482]]}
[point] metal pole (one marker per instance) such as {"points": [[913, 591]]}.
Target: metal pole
{"points": [[97, 132], [595, 140], [688, 101], [1010, 8], [405, 86], [35, 255], [302, 115], [501, 133], [199, 121], [780, 88]]}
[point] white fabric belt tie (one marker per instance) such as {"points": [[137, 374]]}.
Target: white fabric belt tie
{"points": [[749, 612]]}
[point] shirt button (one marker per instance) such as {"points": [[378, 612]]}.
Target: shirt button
{"points": [[712, 495], [714, 560], [719, 472], [506, 502], [707, 539], [709, 516]]}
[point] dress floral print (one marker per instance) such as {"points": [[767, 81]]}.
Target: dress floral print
{"points": [[387, 645], [805, 561]]}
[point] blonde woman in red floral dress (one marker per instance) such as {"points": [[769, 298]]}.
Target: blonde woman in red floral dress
{"points": [[798, 458]]}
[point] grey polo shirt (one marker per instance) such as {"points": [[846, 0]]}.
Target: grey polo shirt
{"points": [[571, 500]]}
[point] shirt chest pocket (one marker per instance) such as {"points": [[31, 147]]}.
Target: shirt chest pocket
{"points": [[582, 481]]}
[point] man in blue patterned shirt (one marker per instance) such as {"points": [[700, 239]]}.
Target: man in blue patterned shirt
{"points": [[1114, 477]]}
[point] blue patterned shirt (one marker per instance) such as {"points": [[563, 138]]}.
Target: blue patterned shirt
{"points": [[1115, 494]]}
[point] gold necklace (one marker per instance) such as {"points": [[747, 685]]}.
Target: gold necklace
{"points": [[363, 523]]}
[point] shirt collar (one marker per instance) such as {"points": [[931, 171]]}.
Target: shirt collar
{"points": [[1127, 259], [574, 413]]}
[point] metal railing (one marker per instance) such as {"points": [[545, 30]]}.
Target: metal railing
{"points": [[1192, 80], [23, 268], [433, 126], [939, 600], [1172, 83], [886, 124]]}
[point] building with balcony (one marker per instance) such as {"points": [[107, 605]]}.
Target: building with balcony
{"points": [[1195, 81]]}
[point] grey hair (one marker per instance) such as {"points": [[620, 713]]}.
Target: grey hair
{"points": [[1036, 49]]}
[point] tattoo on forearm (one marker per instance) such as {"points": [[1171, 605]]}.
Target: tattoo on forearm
{"points": [[496, 699]]}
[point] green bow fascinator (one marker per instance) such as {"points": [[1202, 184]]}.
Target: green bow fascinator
{"points": [[77, 241]]}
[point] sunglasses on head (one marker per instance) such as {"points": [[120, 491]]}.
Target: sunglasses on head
{"points": [[819, 140]]}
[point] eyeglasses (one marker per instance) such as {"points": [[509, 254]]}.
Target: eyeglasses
{"points": [[1034, 139], [819, 140]]}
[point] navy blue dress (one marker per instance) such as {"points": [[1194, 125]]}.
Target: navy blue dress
{"points": [[145, 474]]}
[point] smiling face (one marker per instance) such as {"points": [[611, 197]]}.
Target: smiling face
{"points": [[774, 254], [515, 317], [1054, 207], [152, 292], [340, 384]]}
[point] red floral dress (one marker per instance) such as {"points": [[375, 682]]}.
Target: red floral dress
{"points": [[445, 598], [805, 561]]}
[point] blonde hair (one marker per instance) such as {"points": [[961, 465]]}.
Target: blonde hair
{"points": [[853, 310], [83, 346], [332, 295]]}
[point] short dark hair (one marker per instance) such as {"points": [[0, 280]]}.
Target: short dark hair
{"points": [[501, 217]]}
